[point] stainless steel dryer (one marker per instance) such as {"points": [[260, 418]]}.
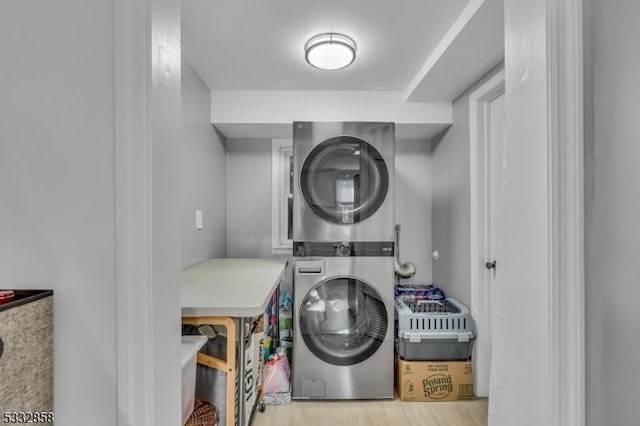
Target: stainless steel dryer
{"points": [[343, 181], [343, 339]]}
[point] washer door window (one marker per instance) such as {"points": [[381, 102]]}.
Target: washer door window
{"points": [[343, 321], [344, 180]]}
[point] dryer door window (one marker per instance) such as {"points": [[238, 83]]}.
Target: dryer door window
{"points": [[343, 321], [344, 180]]}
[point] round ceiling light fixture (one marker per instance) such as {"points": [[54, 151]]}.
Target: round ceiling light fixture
{"points": [[330, 51]]}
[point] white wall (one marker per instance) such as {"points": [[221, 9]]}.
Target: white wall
{"points": [[413, 206], [57, 185], [203, 173], [241, 111], [612, 209], [450, 200], [57, 220]]}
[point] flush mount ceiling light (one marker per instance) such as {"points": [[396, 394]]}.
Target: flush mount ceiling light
{"points": [[330, 51]]}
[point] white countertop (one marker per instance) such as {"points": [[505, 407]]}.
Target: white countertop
{"points": [[230, 287]]}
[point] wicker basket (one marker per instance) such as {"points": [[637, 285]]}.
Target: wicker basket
{"points": [[204, 414]]}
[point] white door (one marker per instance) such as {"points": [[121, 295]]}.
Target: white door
{"points": [[497, 257]]}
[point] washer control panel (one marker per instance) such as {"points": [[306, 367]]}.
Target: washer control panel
{"points": [[343, 248]]}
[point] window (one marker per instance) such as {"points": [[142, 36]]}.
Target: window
{"points": [[282, 196]]}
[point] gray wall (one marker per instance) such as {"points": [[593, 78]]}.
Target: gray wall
{"points": [[450, 201], [249, 201], [203, 173], [57, 220], [249, 208], [612, 200], [450, 204], [413, 206]]}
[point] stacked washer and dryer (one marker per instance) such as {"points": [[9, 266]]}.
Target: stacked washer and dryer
{"points": [[343, 218]]}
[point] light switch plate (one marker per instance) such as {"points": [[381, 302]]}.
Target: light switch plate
{"points": [[199, 220]]}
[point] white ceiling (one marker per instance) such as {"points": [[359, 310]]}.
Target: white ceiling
{"points": [[259, 44], [416, 51], [473, 46]]}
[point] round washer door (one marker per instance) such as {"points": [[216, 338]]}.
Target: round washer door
{"points": [[344, 180], [343, 321]]}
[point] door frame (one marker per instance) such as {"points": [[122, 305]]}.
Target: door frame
{"points": [[140, 400], [147, 79], [565, 104], [564, 315], [479, 139]]}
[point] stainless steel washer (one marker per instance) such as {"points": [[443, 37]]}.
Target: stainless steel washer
{"points": [[343, 181], [343, 339]]}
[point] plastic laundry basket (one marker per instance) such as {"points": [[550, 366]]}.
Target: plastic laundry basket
{"points": [[190, 347]]}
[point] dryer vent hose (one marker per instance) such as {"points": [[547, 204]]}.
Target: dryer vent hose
{"points": [[403, 270]]}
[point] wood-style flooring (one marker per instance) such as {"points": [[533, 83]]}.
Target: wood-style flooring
{"points": [[375, 413]]}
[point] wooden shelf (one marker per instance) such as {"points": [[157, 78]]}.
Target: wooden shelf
{"points": [[227, 366]]}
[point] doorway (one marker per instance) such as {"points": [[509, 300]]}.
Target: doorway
{"points": [[488, 219], [537, 20]]}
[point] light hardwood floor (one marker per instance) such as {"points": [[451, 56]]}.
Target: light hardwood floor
{"points": [[375, 413]]}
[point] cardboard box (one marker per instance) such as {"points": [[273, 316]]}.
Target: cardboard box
{"points": [[434, 380]]}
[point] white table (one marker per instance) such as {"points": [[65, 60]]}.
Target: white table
{"points": [[223, 291]]}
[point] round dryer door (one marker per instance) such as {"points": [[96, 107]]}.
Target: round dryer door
{"points": [[343, 321], [344, 180]]}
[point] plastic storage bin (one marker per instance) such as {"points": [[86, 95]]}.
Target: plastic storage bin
{"points": [[190, 347], [430, 330]]}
